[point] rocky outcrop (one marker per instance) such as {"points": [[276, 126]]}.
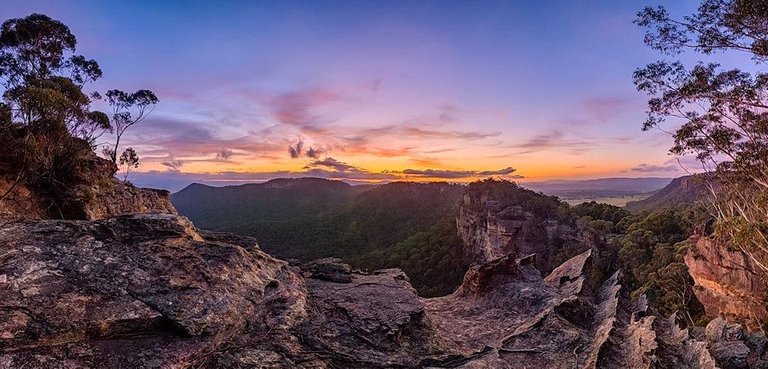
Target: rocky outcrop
{"points": [[18, 201], [727, 283], [95, 195], [492, 228], [134, 291], [115, 198], [150, 291]]}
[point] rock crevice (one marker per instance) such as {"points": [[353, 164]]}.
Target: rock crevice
{"points": [[151, 291]]}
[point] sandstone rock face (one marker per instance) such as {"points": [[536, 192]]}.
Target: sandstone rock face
{"points": [[492, 229], [150, 291], [99, 293], [19, 201], [116, 198], [728, 283], [98, 195]]}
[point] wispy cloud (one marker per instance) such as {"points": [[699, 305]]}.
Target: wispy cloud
{"points": [[651, 168], [173, 165], [443, 134], [553, 140], [224, 154], [314, 153], [334, 164], [458, 174], [605, 108], [296, 150], [185, 137], [296, 108]]}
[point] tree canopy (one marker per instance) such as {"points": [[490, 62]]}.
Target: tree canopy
{"points": [[47, 121], [721, 112]]}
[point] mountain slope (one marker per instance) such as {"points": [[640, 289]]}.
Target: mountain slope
{"points": [[312, 218], [602, 187], [282, 213], [686, 189]]}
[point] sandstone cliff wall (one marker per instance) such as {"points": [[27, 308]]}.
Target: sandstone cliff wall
{"points": [[727, 283], [116, 198], [491, 229], [20, 201]]}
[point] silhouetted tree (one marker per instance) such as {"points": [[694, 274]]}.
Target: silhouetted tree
{"points": [[723, 112], [46, 121], [128, 110], [129, 159], [44, 79]]}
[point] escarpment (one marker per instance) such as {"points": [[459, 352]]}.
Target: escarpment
{"points": [[495, 221], [149, 290], [93, 194], [728, 283]]}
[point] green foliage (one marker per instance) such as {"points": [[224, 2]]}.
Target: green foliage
{"points": [[411, 226], [649, 250], [507, 192], [720, 113], [595, 210], [5, 115], [44, 116], [43, 79], [651, 255], [47, 126], [433, 259]]}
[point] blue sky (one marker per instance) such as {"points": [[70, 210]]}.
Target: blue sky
{"points": [[384, 89]]}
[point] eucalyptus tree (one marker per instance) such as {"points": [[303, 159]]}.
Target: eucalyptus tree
{"points": [[720, 112], [47, 119], [128, 159]]}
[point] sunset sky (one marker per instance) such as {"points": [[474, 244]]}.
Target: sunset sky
{"points": [[376, 90]]}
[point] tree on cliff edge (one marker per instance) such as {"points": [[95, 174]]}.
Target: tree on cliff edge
{"points": [[721, 114], [46, 121]]}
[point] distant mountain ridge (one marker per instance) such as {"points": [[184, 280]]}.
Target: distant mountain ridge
{"points": [[686, 189], [406, 224], [601, 187], [217, 208]]}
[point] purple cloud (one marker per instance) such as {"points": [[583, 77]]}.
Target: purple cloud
{"points": [[224, 154], [296, 150], [335, 165], [650, 168], [173, 165], [458, 174]]}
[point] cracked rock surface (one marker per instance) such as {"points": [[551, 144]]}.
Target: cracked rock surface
{"points": [[150, 291]]}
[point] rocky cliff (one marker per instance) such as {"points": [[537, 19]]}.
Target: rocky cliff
{"points": [[20, 201], [150, 291], [95, 195], [492, 227], [728, 283]]}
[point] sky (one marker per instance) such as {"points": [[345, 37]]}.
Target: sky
{"points": [[370, 91]]}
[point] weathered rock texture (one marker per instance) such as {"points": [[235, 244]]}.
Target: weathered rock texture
{"points": [[149, 291], [20, 201], [492, 229], [97, 195], [116, 198], [728, 283]]}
